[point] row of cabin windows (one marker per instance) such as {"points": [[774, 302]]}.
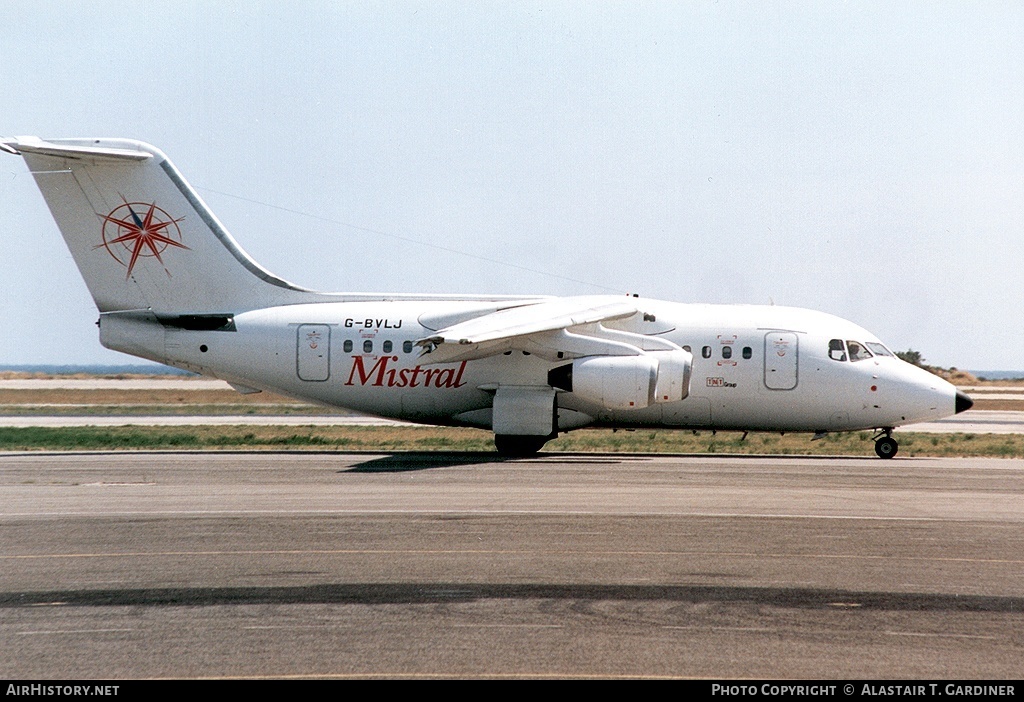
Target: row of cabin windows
{"points": [[747, 352], [386, 347]]}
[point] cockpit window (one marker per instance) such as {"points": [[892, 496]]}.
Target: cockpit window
{"points": [[879, 349], [837, 350], [858, 351]]}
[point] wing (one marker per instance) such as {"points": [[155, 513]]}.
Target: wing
{"points": [[562, 328], [609, 367]]}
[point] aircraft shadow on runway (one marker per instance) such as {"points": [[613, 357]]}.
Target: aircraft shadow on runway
{"points": [[424, 460], [440, 593]]}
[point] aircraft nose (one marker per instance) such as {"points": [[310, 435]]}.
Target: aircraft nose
{"points": [[963, 402]]}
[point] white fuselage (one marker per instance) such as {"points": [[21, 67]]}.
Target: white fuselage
{"points": [[754, 367]]}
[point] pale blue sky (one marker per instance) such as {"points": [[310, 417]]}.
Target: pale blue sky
{"points": [[865, 158]]}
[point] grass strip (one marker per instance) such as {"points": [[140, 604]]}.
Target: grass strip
{"points": [[355, 438]]}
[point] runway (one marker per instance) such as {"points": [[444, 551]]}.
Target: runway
{"points": [[456, 565]]}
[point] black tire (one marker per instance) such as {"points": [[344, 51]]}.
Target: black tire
{"points": [[886, 447], [509, 445]]}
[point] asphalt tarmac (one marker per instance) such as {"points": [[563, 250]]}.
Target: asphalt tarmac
{"points": [[450, 565]]}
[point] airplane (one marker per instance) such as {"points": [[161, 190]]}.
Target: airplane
{"points": [[173, 286]]}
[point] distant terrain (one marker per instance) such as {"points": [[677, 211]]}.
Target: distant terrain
{"points": [[997, 375]]}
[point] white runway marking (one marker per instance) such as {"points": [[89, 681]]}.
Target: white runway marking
{"points": [[291, 420], [170, 383]]}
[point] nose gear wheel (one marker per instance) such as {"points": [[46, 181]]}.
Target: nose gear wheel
{"points": [[885, 445]]}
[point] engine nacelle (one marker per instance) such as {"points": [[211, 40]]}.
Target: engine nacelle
{"points": [[674, 369], [627, 382]]}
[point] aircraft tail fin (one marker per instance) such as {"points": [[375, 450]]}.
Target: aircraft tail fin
{"points": [[140, 235]]}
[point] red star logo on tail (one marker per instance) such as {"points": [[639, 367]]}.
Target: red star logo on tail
{"points": [[137, 229]]}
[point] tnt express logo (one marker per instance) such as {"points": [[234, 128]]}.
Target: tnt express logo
{"points": [[719, 383], [138, 230]]}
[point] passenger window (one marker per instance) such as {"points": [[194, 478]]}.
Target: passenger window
{"points": [[747, 352], [387, 346], [407, 346], [706, 352], [687, 349], [726, 352], [858, 351], [367, 346], [837, 350], [347, 346]]}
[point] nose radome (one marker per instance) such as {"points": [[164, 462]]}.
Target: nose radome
{"points": [[963, 402]]}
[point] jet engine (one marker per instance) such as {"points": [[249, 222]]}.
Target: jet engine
{"points": [[626, 382]]}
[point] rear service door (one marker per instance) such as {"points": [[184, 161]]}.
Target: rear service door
{"points": [[313, 355]]}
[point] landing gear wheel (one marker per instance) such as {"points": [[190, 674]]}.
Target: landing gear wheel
{"points": [[510, 445], [886, 447]]}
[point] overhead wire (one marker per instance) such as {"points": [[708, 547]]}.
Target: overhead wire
{"points": [[408, 240]]}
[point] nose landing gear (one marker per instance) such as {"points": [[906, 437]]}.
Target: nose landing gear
{"points": [[885, 445]]}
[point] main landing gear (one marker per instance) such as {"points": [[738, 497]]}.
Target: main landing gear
{"points": [[885, 445]]}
